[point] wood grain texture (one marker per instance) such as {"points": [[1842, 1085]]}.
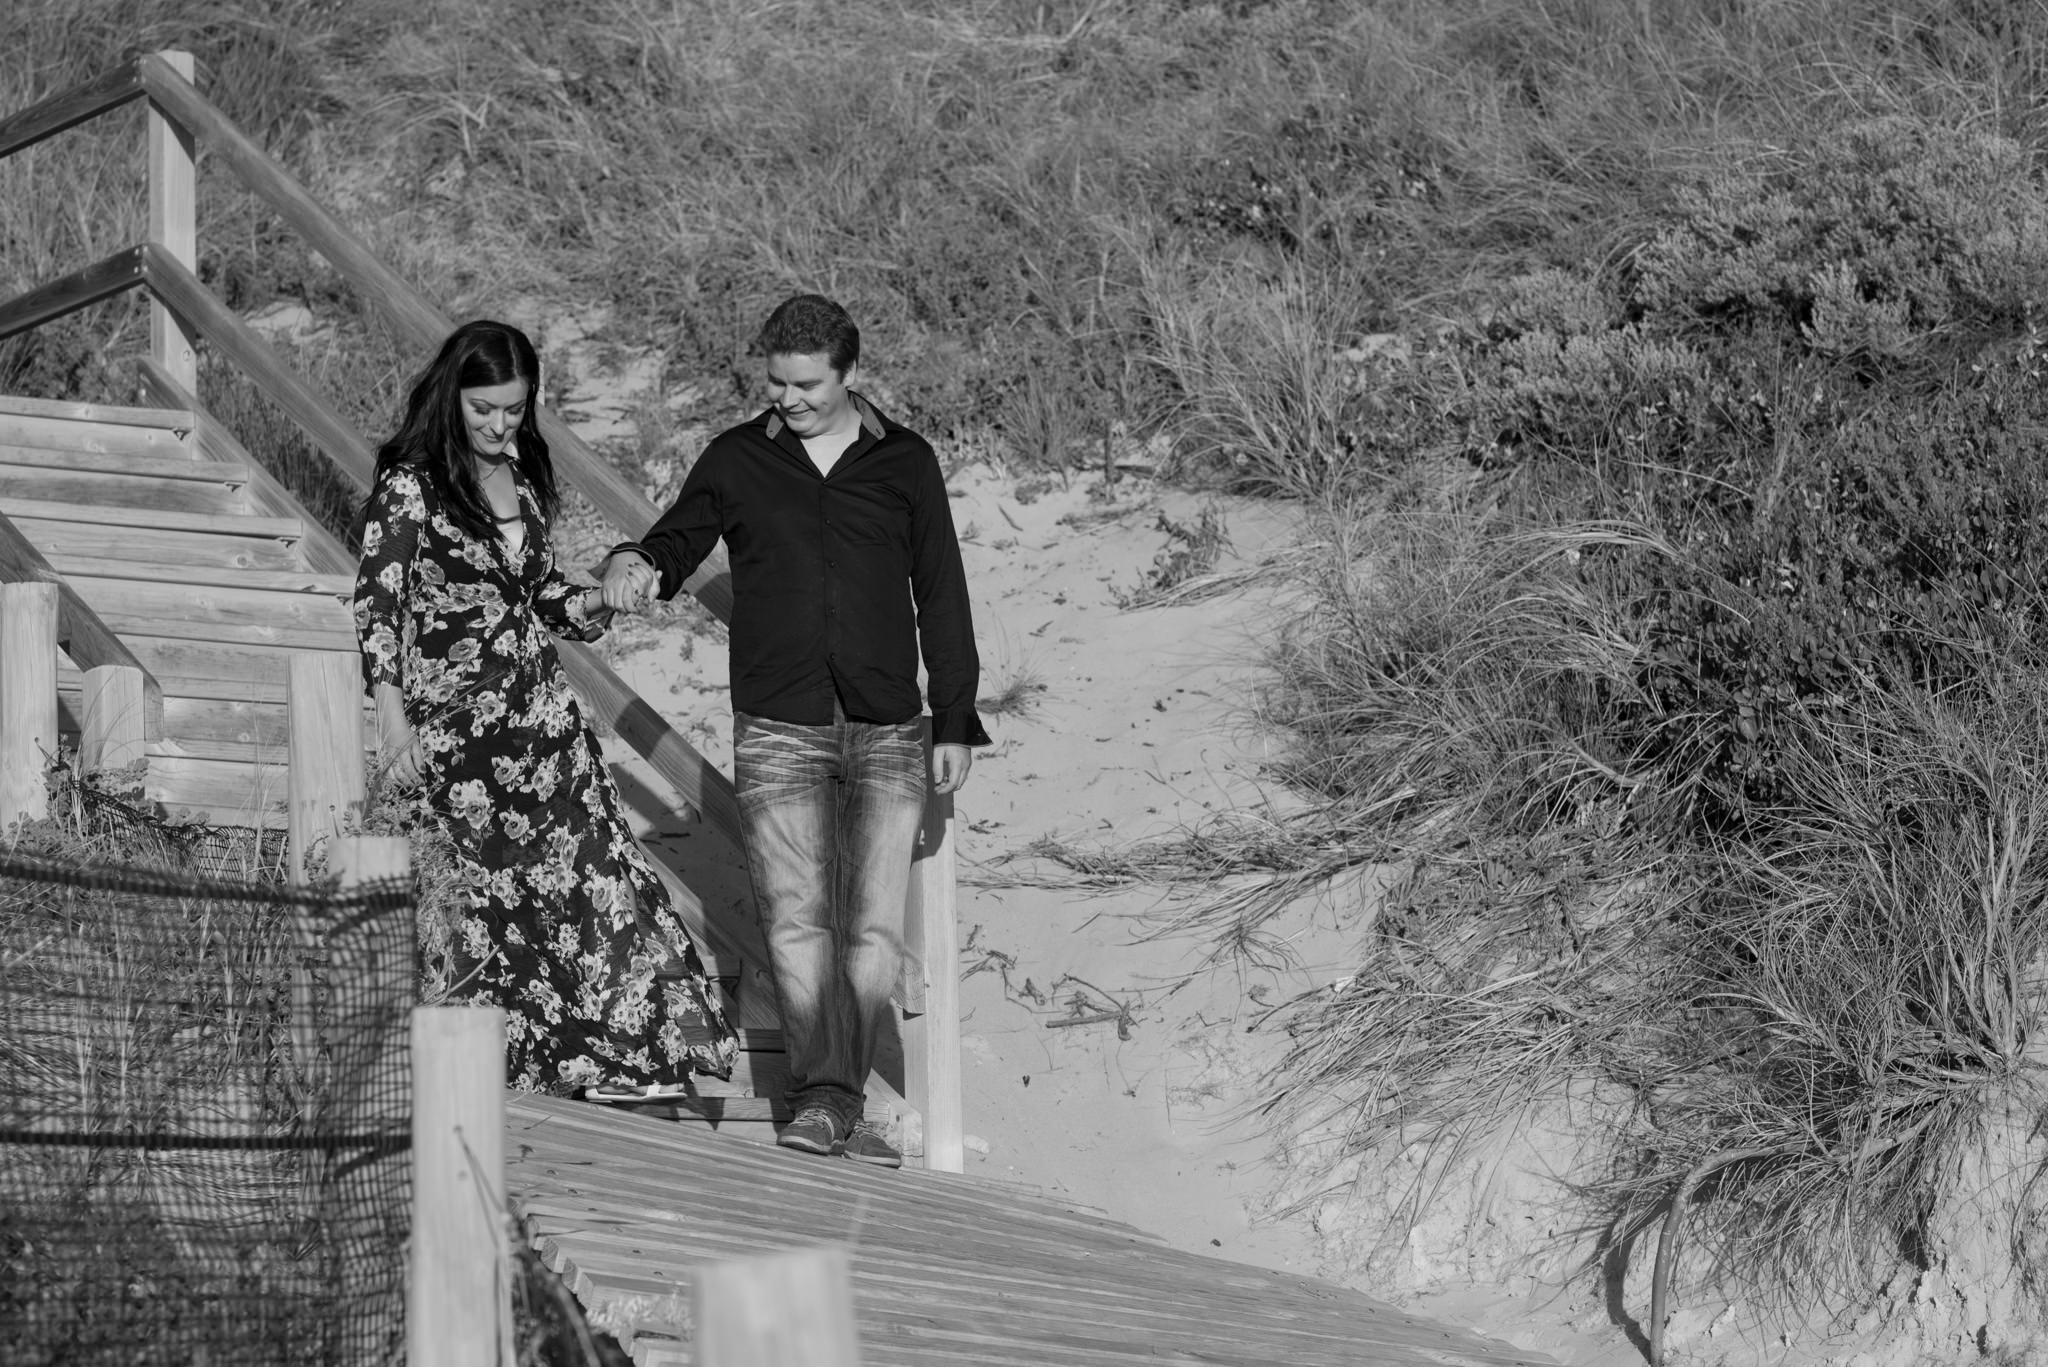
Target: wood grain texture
{"points": [[326, 782], [173, 225], [457, 1283], [321, 549], [28, 699], [83, 634], [70, 410], [80, 289], [69, 108], [943, 1270], [63, 432], [155, 546], [93, 489]]}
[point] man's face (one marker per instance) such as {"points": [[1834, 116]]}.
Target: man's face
{"points": [[809, 394]]}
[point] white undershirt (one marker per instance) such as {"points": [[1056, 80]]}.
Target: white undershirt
{"points": [[826, 450]]}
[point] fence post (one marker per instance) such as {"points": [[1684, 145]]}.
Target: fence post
{"points": [[324, 703], [775, 1309], [173, 226], [931, 1038], [28, 700], [373, 957], [457, 1295], [116, 718]]}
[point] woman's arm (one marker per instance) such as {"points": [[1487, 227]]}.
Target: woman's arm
{"points": [[569, 610], [391, 539]]}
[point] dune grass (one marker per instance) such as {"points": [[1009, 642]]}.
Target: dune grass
{"points": [[1662, 378]]}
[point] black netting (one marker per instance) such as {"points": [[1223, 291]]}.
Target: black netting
{"points": [[204, 1105]]}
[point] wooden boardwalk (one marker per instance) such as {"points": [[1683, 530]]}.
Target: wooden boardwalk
{"points": [[946, 1269]]}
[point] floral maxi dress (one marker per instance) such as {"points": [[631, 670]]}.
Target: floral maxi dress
{"points": [[568, 928]]}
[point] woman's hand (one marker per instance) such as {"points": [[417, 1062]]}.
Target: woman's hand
{"points": [[398, 746], [630, 583]]}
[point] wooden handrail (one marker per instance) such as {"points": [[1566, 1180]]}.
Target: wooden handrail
{"points": [[206, 315], [70, 293], [416, 320], [693, 777], [88, 640], [66, 109]]}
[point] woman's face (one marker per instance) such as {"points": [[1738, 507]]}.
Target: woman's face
{"points": [[492, 414]]}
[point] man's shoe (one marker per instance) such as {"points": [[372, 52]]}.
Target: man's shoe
{"points": [[815, 1130], [866, 1145]]}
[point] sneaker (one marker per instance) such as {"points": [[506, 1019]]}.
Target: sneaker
{"points": [[815, 1130], [618, 1093], [866, 1145]]}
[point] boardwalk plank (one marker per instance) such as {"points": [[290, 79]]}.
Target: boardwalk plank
{"points": [[886, 1279], [944, 1272]]}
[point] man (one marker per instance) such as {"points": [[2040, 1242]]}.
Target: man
{"points": [[845, 567]]}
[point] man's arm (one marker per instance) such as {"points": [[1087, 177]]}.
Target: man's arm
{"points": [[945, 628], [673, 547]]}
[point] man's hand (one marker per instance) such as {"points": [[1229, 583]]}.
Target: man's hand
{"points": [[629, 582], [950, 764]]}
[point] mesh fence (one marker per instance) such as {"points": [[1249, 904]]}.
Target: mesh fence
{"points": [[204, 1107]]}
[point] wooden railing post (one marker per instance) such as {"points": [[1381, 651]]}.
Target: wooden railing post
{"points": [[115, 725], [931, 1037], [28, 700], [778, 1308], [457, 1306], [173, 226], [324, 707]]}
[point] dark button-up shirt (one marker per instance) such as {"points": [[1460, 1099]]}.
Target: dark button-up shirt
{"points": [[838, 580]]}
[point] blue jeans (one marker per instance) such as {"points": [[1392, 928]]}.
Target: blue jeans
{"points": [[831, 816]]}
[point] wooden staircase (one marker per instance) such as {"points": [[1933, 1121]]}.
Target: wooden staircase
{"points": [[213, 577], [206, 570], [182, 562]]}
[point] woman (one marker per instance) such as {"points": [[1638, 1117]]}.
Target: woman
{"points": [[455, 599]]}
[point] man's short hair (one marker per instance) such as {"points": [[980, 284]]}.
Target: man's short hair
{"points": [[807, 325]]}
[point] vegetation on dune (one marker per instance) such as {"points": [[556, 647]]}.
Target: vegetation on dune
{"points": [[1664, 379]]}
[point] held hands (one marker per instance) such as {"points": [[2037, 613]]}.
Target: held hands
{"points": [[629, 583]]}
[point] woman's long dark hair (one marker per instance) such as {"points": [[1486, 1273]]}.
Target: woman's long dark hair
{"points": [[434, 440]]}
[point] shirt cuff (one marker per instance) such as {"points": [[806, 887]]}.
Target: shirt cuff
{"points": [[958, 726]]}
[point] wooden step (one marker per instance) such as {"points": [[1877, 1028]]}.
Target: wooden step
{"points": [[197, 669], [147, 466], [104, 438], [206, 728], [340, 587], [232, 524], [222, 792], [93, 489], [176, 419], [154, 547], [208, 612]]}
